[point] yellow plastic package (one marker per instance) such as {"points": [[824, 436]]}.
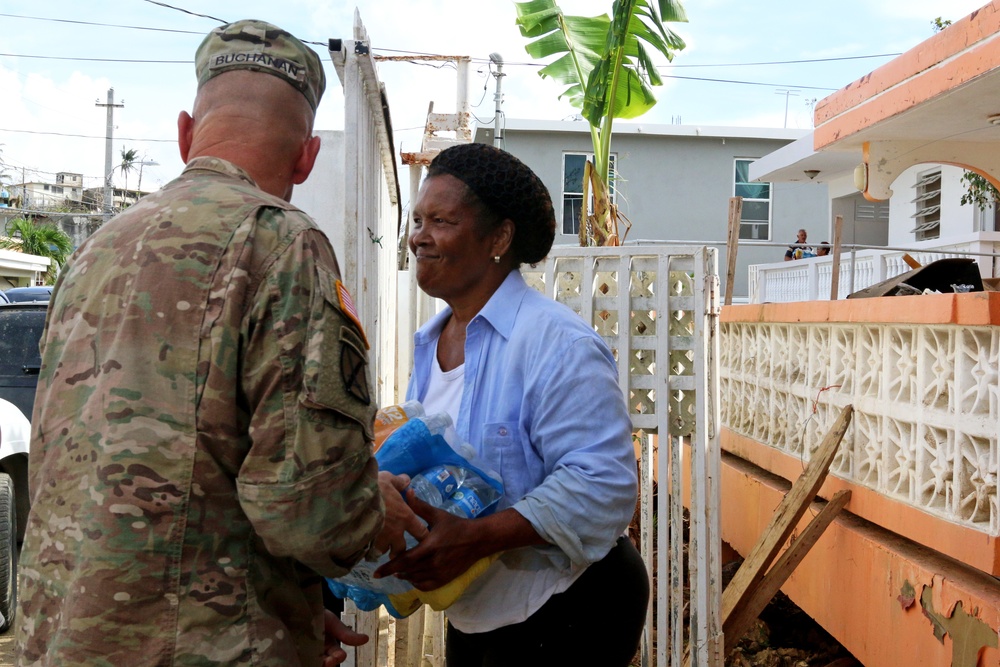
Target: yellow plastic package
{"points": [[440, 598]]}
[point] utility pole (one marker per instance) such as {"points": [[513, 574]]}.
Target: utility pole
{"points": [[786, 93], [497, 60], [108, 140]]}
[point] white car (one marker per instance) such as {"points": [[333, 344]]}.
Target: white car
{"points": [[15, 437]]}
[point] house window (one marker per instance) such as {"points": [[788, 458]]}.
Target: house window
{"points": [[573, 189], [755, 223], [928, 206]]}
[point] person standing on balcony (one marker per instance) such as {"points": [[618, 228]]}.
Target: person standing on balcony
{"points": [[798, 251], [536, 394], [201, 451]]}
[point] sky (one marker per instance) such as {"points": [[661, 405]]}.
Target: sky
{"points": [[746, 64]]}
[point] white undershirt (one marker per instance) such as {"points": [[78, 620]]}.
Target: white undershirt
{"points": [[444, 390], [520, 581]]}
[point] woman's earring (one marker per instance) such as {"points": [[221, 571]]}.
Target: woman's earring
{"points": [[496, 259]]}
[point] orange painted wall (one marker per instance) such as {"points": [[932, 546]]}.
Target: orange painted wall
{"points": [[972, 309], [965, 544], [852, 580]]}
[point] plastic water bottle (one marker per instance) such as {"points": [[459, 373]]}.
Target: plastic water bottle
{"points": [[472, 498], [390, 418], [437, 484]]}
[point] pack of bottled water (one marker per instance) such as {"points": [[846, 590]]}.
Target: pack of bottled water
{"points": [[444, 473]]}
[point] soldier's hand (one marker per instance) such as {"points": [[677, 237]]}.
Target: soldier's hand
{"points": [[335, 633], [399, 517]]}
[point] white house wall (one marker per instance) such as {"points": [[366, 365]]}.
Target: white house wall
{"points": [[956, 220], [322, 195]]}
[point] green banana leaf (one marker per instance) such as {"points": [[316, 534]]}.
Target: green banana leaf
{"points": [[604, 63], [607, 68]]}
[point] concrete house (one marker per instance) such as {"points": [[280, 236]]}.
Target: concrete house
{"points": [[922, 213], [674, 183], [66, 191]]}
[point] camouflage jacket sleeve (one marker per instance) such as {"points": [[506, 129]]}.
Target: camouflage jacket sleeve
{"points": [[309, 484]]}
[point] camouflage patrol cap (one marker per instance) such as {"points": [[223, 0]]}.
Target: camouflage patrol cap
{"points": [[261, 47]]}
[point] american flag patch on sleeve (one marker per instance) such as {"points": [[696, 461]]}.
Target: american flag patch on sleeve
{"points": [[347, 306]]}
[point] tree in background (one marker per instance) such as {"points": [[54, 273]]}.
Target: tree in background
{"points": [[44, 240], [608, 68], [978, 190], [128, 164], [940, 24]]}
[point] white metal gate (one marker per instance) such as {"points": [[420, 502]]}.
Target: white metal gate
{"points": [[657, 308]]}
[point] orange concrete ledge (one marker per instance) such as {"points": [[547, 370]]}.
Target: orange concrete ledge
{"points": [[945, 62], [973, 309], [881, 595], [967, 545]]}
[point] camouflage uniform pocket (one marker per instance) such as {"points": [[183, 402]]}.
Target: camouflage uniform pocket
{"points": [[336, 376]]}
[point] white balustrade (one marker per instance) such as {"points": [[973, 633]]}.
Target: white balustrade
{"points": [[926, 398], [809, 279]]}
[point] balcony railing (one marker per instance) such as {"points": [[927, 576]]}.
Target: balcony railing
{"points": [[810, 279]]}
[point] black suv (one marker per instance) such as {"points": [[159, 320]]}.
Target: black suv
{"points": [[21, 326]]}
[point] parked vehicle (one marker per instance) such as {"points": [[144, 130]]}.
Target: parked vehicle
{"points": [[15, 436], [21, 326], [22, 294]]}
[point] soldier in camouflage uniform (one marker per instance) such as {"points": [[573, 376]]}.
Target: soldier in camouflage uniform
{"points": [[201, 447]]}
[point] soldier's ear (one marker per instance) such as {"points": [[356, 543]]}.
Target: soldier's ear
{"points": [[185, 134], [307, 158]]}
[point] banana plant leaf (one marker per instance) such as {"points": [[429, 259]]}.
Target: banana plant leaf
{"points": [[604, 62], [607, 68]]}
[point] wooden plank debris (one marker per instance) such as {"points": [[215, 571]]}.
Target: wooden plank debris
{"points": [[737, 624], [838, 230], [740, 591], [732, 245]]}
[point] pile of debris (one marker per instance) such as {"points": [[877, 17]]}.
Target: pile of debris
{"points": [[785, 636]]}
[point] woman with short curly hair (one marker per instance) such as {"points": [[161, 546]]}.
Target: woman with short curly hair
{"points": [[535, 391]]}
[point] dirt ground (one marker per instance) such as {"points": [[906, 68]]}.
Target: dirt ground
{"points": [[7, 649], [785, 636]]}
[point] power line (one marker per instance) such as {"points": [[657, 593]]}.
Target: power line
{"points": [[789, 62], [103, 25], [410, 52], [99, 60], [83, 136], [188, 62], [186, 11], [745, 83]]}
